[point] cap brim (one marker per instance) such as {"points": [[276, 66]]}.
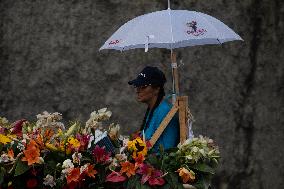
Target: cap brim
{"points": [[138, 82]]}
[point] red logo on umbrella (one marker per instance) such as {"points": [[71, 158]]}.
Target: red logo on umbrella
{"points": [[114, 42], [193, 30]]}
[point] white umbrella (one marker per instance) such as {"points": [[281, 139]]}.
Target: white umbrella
{"points": [[170, 29]]}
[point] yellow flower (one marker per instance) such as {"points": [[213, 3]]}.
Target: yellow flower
{"points": [[137, 146], [59, 133], [74, 142], [51, 147], [131, 145], [4, 139], [65, 148]]}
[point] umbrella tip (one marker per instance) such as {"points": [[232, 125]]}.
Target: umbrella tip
{"points": [[169, 4]]}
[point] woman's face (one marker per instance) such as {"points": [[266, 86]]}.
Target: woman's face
{"points": [[147, 94]]}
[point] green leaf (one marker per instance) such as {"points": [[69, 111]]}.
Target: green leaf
{"points": [[166, 186], [133, 182], [143, 186], [153, 160], [2, 174], [21, 167], [173, 181], [199, 184], [203, 182], [203, 168]]}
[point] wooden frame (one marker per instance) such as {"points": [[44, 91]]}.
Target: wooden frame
{"points": [[180, 105]]}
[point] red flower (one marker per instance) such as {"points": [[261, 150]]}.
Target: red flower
{"points": [[115, 177], [150, 174], [32, 183], [101, 155], [148, 144]]}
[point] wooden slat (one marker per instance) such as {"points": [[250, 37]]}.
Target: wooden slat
{"points": [[182, 103], [164, 124]]}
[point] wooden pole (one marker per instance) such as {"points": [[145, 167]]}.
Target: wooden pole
{"points": [[180, 104]]}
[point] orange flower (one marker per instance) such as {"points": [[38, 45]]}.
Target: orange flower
{"points": [[48, 133], [39, 141], [139, 159], [90, 171], [128, 168], [186, 175], [73, 175], [32, 153], [11, 153]]}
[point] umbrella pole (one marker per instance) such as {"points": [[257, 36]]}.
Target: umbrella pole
{"points": [[175, 76], [182, 101]]}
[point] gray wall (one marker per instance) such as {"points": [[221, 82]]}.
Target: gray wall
{"points": [[50, 61]]}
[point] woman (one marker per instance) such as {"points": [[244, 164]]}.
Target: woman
{"points": [[149, 86]]}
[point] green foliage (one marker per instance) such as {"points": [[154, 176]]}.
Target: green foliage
{"points": [[172, 180], [203, 182], [2, 174], [202, 167], [21, 167]]}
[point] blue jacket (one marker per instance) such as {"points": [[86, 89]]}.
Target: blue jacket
{"points": [[170, 136]]}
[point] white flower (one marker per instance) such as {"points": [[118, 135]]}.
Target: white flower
{"points": [[4, 158], [25, 136], [4, 120], [113, 164], [76, 157], [195, 149], [90, 141], [20, 146], [49, 181], [121, 157], [202, 152], [41, 160], [49, 120], [188, 157], [67, 164], [83, 168]]}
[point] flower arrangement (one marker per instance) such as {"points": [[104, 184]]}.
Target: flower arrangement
{"points": [[46, 155]]}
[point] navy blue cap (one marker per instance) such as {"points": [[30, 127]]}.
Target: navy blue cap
{"points": [[149, 76]]}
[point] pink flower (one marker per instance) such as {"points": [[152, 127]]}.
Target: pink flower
{"points": [[17, 127], [115, 177], [101, 155], [2, 130], [84, 140], [150, 174]]}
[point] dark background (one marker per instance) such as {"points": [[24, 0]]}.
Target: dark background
{"points": [[49, 60]]}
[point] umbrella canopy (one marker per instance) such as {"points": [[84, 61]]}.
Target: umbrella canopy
{"points": [[170, 29]]}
